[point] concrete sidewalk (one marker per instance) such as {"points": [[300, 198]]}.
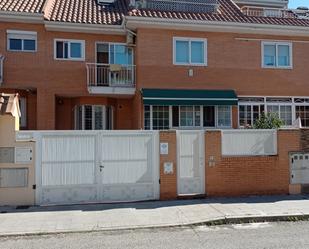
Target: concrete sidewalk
{"points": [[96, 217]]}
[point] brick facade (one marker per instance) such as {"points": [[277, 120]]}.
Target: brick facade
{"points": [[304, 138]]}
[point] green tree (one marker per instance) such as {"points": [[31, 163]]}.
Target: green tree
{"points": [[270, 120]]}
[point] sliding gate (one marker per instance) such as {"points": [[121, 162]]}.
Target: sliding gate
{"points": [[106, 166]]}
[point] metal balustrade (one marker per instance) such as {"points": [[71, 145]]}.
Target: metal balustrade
{"points": [[110, 75]]}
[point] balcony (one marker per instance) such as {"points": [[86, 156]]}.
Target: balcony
{"points": [[267, 12], [110, 79]]}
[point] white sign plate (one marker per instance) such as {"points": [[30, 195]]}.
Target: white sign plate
{"points": [[168, 168], [164, 148]]}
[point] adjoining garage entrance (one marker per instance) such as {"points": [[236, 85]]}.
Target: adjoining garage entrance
{"points": [[299, 168], [96, 166], [191, 162]]}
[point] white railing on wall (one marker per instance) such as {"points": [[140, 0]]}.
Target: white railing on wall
{"points": [[267, 12], [249, 142]]}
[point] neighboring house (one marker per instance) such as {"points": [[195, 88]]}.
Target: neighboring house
{"points": [[149, 64]]}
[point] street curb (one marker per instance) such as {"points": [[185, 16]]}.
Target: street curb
{"points": [[214, 222]]}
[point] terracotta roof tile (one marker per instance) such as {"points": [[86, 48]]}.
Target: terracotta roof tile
{"points": [[90, 12], [228, 12], [86, 11], [29, 6]]}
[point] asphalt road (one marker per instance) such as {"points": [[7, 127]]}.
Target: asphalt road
{"points": [[260, 235]]}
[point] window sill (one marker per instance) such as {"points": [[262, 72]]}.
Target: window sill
{"points": [[22, 51], [190, 65], [77, 60], [270, 67]]}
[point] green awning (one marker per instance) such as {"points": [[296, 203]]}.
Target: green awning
{"points": [[188, 97]]}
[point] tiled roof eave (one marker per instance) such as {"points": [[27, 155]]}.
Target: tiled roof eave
{"points": [[85, 27], [232, 26], [21, 16]]}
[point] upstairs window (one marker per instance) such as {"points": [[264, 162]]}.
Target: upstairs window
{"points": [[190, 51], [69, 50], [277, 55], [23, 41]]}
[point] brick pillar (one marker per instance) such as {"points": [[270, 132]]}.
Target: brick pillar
{"points": [[168, 186], [234, 117], [288, 141], [45, 110]]}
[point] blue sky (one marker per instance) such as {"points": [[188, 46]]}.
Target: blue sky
{"points": [[297, 3]]}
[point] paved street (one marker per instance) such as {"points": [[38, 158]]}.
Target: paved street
{"points": [[260, 235]]}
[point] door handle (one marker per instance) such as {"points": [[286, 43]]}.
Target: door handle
{"points": [[101, 168]]}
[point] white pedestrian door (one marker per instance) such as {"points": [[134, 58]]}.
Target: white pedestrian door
{"points": [[191, 162], [97, 166], [126, 169]]}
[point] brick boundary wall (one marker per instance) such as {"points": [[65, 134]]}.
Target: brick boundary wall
{"points": [[304, 140], [168, 182], [256, 175]]}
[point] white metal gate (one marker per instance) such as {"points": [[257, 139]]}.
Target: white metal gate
{"points": [[96, 166], [299, 168], [191, 162]]}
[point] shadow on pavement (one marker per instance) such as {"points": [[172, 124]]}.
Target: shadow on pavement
{"points": [[153, 204]]}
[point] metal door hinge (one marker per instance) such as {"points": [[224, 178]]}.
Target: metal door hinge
{"points": [[159, 181], [34, 186]]}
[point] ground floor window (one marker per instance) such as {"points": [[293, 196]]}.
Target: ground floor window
{"points": [[166, 117], [93, 117], [288, 109], [156, 117], [284, 112], [224, 116], [302, 112]]}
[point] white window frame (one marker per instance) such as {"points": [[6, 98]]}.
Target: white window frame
{"points": [[253, 103], [104, 117], [279, 109], [69, 41], [201, 126], [109, 50], [276, 44], [265, 103], [21, 35], [194, 112], [231, 118], [190, 40]]}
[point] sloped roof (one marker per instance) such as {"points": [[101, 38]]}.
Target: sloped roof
{"points": [[228, 12], [90, 12], [29, 6], [86, 11]]}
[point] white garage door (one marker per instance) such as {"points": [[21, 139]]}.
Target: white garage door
{"points": [[107, 166], [299, 168]]}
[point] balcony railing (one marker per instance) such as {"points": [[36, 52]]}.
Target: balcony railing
{"points": [[177, 5], [267, 12], [110, 75]]}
